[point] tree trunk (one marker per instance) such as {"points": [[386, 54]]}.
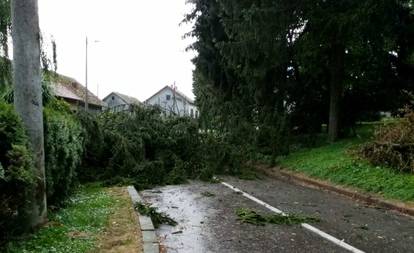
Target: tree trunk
{"points": [[336, 91], [28, 95]]}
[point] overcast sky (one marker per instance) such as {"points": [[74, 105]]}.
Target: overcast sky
{"points": [[140, 50]]}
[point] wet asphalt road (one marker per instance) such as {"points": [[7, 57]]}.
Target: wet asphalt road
{"points": [[209, 224]]}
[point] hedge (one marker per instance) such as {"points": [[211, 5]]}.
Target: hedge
{"points": [[63, 154], [16, 172]]}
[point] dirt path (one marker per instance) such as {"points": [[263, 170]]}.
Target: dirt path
{"points": [[208, 223], [122, 233]]}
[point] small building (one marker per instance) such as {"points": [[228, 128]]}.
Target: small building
{"points": [[173, 102], [74, 94], [118, 102]]}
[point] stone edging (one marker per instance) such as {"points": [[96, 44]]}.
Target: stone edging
{"points": [[149, 238], [370, 199]]}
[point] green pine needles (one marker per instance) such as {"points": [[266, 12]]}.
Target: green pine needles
{"points": [[157, 218], [246, 215]]}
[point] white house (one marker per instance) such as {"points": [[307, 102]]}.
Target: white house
{"points": [[118, 102], [173, 102]]}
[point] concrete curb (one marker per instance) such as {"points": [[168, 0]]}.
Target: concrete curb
{"points": [[370, 199], [149, 238]]}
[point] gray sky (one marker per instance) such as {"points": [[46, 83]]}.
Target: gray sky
{"points": [[140, 50]]}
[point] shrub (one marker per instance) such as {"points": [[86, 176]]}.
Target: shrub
{"points": [[16, 172], [393, 145], [64, 145], [93, 147]]}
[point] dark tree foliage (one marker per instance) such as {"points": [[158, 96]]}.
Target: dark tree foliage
{"points": [[5, 23], [230, 79], [350, 44], [279, 67]]}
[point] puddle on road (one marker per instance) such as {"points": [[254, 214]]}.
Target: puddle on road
{"points": [[191, 210]]}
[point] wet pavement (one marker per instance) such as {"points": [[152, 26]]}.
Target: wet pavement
{"points": [[209, 223]]}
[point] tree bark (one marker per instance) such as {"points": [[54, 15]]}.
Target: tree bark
{"points": [[28, 95], [336, 91]]}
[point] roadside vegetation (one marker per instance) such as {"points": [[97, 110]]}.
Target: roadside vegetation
{"points": [[342, 163], [263, 94], [76, 227], [393, 145]]}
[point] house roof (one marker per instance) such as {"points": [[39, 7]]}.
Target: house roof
{"points": [[66, 87], [64, 92], [189, 100], [127, 99]]}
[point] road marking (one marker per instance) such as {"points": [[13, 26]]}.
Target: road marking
{"points": [[340, 243]]}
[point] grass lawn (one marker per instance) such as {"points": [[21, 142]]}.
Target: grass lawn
{"points": [[84, 224], [334, 163]]}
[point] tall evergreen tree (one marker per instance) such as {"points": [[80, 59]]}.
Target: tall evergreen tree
{"points": [[283, 65]]}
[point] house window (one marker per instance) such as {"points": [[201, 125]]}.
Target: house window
{"points": [[196, 114], [192, 113], [168, 97], [113, 98]]}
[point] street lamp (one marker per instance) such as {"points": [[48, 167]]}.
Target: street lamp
{"points": [[86, 73]]}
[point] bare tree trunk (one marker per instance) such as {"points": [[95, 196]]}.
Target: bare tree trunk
{"points": [[334, 110], [28, 94], [336, 90]]}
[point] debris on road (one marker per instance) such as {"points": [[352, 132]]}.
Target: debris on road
{"points": [[249, 216], [208, 194], [156, 217]]}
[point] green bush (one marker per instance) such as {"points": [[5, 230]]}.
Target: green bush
{"points": [[16, 172], [93, 146], [64, 145]]}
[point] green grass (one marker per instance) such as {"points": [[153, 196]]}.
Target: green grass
{"points": [[72, 229], [333, 162]]}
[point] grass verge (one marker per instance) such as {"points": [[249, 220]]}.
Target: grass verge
{"points": [[121, 234], [75, 228], [334, 162]]}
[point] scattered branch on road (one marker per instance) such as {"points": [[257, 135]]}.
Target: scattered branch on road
{"points": [[249, 216], [156, 217], [208, 194]]}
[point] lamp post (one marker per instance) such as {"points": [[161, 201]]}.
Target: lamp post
{"points": [[86, 77], [86, 72]]}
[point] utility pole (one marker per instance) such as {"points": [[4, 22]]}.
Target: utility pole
{"points": [[27, 89], [86, 76], [86, 72]]}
